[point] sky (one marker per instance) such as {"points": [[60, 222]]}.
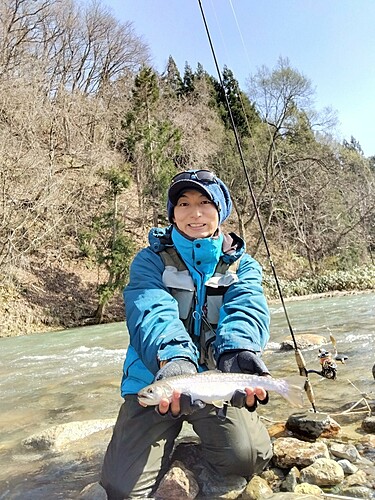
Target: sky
{"points": [[330, 42]]}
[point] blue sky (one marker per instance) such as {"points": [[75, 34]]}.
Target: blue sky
{"points": [[331, 42]]}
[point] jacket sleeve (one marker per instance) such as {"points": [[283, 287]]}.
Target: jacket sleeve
{"points": [[155, 330], [244, 315]]}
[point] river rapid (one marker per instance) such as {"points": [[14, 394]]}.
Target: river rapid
{"points": [[73, 375]]}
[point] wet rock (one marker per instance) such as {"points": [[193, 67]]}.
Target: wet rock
{"points": [[312, 425], [257, 489], [323, 472], [178, 483], [368, 424], [59, 436], [289, 452], [304, 341]]}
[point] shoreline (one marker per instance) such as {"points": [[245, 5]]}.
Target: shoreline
{"points": [[323, 295], [35, 326]]}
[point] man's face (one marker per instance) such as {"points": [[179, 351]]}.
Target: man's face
{"points": [[195, 215]]}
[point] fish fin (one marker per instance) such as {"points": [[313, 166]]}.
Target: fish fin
{"points": [[295, 390], [218, 404]]}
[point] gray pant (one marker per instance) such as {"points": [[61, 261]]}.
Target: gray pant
{"points": [[138, 453]]}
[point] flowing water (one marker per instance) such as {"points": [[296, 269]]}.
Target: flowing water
{"points": [[73, 375]]}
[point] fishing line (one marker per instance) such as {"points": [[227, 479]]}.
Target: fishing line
{"points": [[299, 358]]}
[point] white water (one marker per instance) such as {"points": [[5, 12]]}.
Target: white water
{"points": [[73, 375]]}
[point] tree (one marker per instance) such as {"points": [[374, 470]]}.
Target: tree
{"points": [[106, 243], [151, 143]]}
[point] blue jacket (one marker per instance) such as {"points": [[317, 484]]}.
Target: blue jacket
{"points": [[152, 313]]}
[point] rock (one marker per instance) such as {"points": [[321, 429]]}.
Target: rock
{"points": [[373, 371], [323, 472], [291, 480], [277, 430], [289, 452], [257, 489], [93, 491], [229, 487], [347, 466], [311, 425], [347, 451], [358, 492], [358, 478], [368, 424], [178, 483], [304, 341], [59, 436], [274, 477], [308, 489], [293, 496]]}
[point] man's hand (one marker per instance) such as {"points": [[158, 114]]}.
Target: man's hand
{"points": [[245, 362], [181, 404]]}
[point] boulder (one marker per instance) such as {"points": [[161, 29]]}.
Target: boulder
{"points": [[59, 436], [312, 425], [289, 452]]}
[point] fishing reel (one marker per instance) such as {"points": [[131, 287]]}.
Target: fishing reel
{"points": [[328, 365]]}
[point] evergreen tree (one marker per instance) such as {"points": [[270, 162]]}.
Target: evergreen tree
{"points": [[172, 78], [106, 244], [152, 143]]}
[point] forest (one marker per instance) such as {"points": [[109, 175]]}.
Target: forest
{"points": [[91, 134]]}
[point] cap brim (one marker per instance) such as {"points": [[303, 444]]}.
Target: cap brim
{"points": [[178, 187]]}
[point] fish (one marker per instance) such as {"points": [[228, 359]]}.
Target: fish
{"points": [[217, 388]]}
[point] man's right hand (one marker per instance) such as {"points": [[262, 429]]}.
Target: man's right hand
{"points": [[181, 404]]}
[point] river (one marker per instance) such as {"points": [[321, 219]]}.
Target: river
{"points": [[73, 375]]}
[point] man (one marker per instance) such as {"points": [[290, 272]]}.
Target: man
{"points": [[194, 302]]}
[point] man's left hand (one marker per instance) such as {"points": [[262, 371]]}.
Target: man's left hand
{"points": [[245, 362]]}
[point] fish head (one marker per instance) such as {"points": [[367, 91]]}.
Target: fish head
{"points": [[151, 395]]}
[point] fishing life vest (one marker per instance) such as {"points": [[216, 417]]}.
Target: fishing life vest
{"points": [[177, 278]]}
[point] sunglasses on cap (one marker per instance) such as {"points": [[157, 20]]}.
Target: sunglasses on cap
{"points": [[195, 175]]}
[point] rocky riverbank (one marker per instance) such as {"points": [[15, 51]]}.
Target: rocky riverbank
{"points": [[314, 456]]}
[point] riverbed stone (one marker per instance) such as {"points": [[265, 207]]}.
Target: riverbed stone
{"points": [[293, 496], [289, 452], [257, 489], [312, 425], [343, 450], [358, 492], [179, 482], [308, 489], [291, 480], [368, 424], [303, 341], [347, 466], [59, 436], [93, 491], [274, 477], [323, 472]]}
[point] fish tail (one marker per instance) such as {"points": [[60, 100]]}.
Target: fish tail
{"points": [[294, 395]]}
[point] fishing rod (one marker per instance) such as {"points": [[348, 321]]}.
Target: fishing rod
{"points": [[298, 354]]}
